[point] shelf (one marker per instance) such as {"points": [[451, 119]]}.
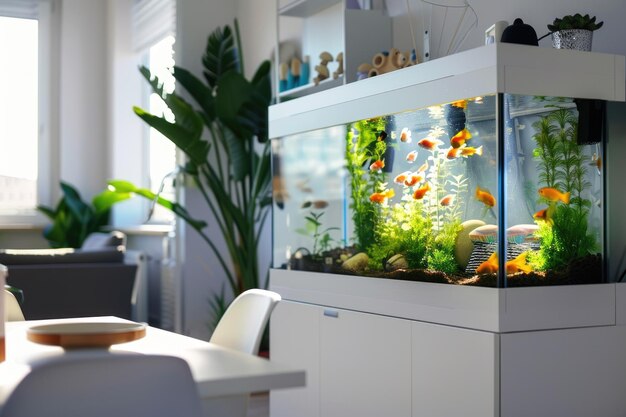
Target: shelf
{"points": [[311, 88], [305, 8]]}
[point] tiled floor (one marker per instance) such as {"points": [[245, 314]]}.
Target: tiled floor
{"points": [[259, 405]]}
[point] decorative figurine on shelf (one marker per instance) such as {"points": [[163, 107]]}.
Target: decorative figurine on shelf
{"points": [[282, 76], [362, 71], [305, 72], [388, 61], [339, 70], [322, 68], [293, 78]]}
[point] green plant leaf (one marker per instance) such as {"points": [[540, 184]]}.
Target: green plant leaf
{"points": [[220, 56], [125, 187], [106, 199], [239, 156], [233, 90], [48, 211], [154, 81], [75, 203], [200, 92], [243, 105], [185, 137]]}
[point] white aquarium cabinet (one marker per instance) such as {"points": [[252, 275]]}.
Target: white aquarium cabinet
{"points": [[395, 300]]}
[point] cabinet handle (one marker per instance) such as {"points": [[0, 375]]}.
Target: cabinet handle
{"points": [[331, 313]]}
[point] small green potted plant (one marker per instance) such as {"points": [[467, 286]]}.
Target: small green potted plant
{"points": [[574, 32]]}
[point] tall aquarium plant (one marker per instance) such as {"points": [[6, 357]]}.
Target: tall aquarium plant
{"points": [[224, 136], [365, 143], [410, 220], [563, 232]]}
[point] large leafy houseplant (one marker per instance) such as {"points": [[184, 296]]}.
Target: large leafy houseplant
{"points": [[225, 139], [74, 219]]}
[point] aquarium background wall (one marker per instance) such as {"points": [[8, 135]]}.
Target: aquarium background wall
{"points": [[419, 195]]}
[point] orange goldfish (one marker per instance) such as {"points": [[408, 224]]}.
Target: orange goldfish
{"points": [[490, 266], [453, 153], [420, 192], [460, 138], [423, 168], [380, 198], [545, 214], [401, 178], [411, 157], [518, 264], [318, 204], [552, 194], [405, 135], [447, 200], [377, 165], [461, 104], [596, 160], [429, 144], [413, 179], [541, 215], [469, 151], [485, 197]]}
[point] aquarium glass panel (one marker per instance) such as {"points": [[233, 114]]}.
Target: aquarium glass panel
{"points": [[409, 196], [309, 216], [554, 186]]}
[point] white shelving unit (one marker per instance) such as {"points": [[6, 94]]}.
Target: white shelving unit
{"points": [[327, 25]]}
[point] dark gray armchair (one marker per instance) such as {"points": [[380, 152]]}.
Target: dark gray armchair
{"points": [[91, 281]]}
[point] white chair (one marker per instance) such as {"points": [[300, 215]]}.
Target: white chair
{"points": [[102, 384], [241, 328], [12, 310]]}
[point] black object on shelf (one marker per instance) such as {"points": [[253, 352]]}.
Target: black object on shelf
{"points": [[520, 32]]}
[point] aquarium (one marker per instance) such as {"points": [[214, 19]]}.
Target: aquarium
{"points": [[483, 168], [439, 193]]}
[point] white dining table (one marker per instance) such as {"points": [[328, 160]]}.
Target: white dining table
{"points": [[219, 372]]}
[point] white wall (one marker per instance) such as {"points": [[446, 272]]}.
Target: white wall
{"points": [[201, 275], [126, 145], [537, 13], [83, 96], [257, 25]]}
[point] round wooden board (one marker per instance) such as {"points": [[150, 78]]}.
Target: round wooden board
{"points": [[80, 335]]}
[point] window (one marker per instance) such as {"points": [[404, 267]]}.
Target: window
{"points": [[162, 152], [153, 40], [19, 115]]}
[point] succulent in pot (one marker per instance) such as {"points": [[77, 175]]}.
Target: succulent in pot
{"points": [[574, 31]]}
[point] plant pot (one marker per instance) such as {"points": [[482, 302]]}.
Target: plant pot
{"points": [[578, 39]]}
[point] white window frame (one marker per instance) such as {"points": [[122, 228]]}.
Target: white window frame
{"points": [[48, 175]]}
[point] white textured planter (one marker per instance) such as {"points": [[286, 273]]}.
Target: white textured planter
{"points": [[578, 39]]}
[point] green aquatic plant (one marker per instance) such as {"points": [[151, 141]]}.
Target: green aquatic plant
{"points": [[563, 241], [458, 189], [321, 237], [571, 173], [404, 231], [563, 237], [364, 144], [441, 253], [546, 152]]}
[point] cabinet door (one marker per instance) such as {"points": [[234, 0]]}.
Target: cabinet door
{"points": [[455, 372], [294, 340], [365, 365]]}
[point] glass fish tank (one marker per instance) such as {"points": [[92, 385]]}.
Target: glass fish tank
{"points": [[500, 190]]}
